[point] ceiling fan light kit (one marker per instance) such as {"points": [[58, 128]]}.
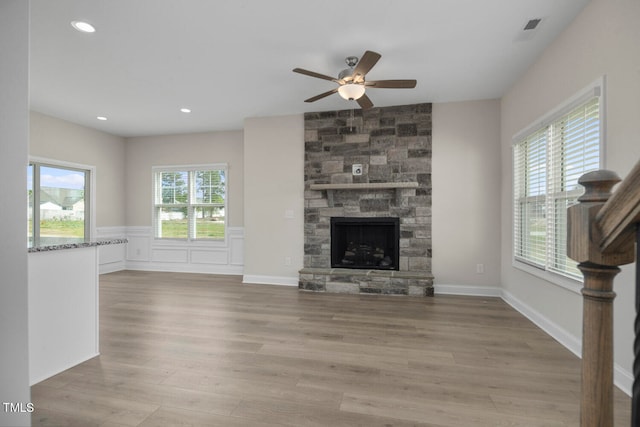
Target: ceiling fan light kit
{"points": [[351, 91], [351, 82]]}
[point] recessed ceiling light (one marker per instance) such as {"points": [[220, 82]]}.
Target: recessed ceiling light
{"points": [[83, 27], [103, 118], [185, 110]]}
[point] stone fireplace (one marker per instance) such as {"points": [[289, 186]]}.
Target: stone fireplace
{"points": [[367, 171]]}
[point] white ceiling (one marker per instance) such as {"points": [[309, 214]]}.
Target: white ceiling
{"points": [[232, 59]]}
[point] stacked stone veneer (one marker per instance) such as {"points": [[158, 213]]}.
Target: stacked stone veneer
{"points": [[393, 144]]}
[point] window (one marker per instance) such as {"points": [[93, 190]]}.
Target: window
{"points": [[58, 204], [547, 163], [190, 202]]}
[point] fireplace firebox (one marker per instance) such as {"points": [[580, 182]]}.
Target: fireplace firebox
{"points": [[365, 243]]}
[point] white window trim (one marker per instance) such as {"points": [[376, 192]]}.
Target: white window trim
{"points": [[92, 186], [595, 88], [185, 242]]}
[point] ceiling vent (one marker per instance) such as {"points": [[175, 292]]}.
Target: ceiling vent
{"points": [[532, 24]]}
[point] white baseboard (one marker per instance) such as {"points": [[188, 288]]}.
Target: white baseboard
{"points": [[111, 267], [470, 290], [622, 378], [270, 280], [570, 341]]}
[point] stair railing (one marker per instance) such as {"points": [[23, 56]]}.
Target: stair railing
{"points": [[603, 229]]}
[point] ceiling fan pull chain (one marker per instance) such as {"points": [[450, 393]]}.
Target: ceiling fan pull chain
{"points": [[351, 126]]}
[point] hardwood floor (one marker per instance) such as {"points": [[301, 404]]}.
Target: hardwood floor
{"points": [[204, 350]]}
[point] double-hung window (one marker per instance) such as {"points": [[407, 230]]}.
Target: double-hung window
{"points": [[547, 162], [190, 202], [58, 204]]}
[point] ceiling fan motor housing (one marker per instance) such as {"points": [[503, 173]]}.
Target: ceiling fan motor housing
{"points": [[346, 74]]}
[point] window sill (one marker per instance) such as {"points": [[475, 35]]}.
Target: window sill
{"points": [[190, 243], [553, 278]]}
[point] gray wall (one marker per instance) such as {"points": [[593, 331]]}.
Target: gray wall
{"points": [[472, 212], [14, 136], [273, 202], [142, 153], [56, 139], [466, 206], [466, 197], [603, 40]]}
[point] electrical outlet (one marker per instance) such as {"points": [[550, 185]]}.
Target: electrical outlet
{"points": [[357, 169], [287, 260], [480, 268]]}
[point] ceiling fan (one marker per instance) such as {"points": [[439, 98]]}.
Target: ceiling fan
{"points": [[352, 83]]}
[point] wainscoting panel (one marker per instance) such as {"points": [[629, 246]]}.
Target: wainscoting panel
{"points": [[169, 255], [236, 246], [111, 257], [203, 256], [145, 253], [139, 246]]}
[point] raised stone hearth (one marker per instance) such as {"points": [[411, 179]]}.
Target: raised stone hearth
{"points": [[391, 147], [341, 280]]}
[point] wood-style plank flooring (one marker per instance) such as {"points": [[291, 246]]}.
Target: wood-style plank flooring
{"points": [[206, 350]]}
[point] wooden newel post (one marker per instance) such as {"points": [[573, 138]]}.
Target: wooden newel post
{"points": [[596, 405], [598, 269]]}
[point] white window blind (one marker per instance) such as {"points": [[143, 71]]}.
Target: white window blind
{"points": [[547, 164]]}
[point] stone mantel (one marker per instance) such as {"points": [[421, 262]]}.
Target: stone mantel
{"points": [[330, 188], [364, 186]]}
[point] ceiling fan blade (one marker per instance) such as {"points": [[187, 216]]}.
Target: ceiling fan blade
{"points": [[364, 102], [392, 84], [322, 95], [314, 74], [365, 64]]}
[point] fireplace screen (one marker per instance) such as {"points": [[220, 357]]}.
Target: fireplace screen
{"points": [[371, 243]]}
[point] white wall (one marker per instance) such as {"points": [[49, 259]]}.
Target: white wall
{"points": [[14, 136], [466, 197], [603, 40], [57, 139], [63, 310], [274, 199]]}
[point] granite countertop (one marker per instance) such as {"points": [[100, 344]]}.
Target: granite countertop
{"points": [[62, 246]]}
